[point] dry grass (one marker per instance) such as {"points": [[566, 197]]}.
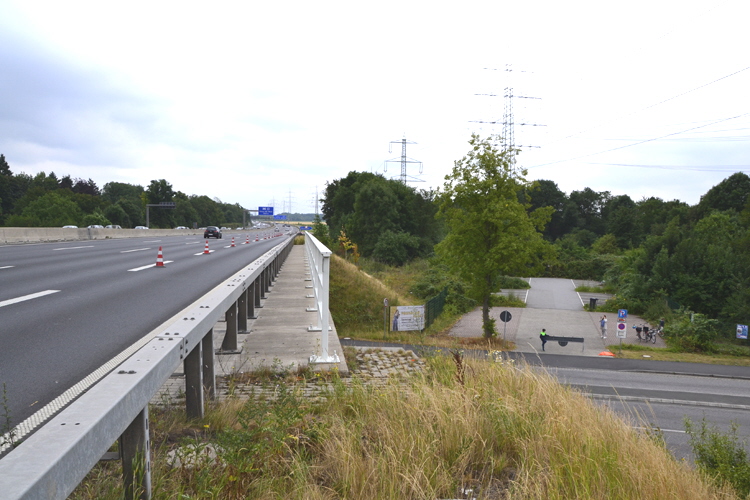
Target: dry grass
{"points": [[505, 432]]}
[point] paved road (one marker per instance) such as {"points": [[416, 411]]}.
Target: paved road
{"points": [[97, 298], [552, 304]]}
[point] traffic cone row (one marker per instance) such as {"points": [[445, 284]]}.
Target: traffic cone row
{"points": [[159, 259]]}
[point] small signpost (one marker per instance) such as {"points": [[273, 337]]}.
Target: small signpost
{"points": [[505, 316], [622, 326], [742, 332]]}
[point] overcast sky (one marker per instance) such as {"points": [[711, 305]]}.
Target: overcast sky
{"points": [[260, 103]]}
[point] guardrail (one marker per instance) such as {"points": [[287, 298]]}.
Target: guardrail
{"points": [[563, 341], [318, 257], [51, 462]]}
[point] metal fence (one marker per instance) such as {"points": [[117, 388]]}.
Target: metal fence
{"points": [[50, 463], [434, 307]]}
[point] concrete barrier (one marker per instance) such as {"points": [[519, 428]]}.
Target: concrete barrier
{"points": [[16, 235]]}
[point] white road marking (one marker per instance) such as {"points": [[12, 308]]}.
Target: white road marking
{"points": [[155, 241], [6, 267], [73, 248], [135, 250], [27, 297], [150, 265], [661, 430], [203, 253]]}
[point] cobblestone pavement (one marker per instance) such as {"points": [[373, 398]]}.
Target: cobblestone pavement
{"points": [[374, 366]]}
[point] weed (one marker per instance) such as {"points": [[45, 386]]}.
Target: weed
{"points": [[7, 431]]}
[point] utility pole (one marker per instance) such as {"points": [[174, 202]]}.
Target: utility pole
{"points": [[404, 160]]}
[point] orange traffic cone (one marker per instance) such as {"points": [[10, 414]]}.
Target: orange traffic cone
{"points": [[159, 259], [247, 239], [232, 242], [206, 250]]}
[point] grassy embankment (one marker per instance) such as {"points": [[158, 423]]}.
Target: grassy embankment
{"points": [[502, 430]]}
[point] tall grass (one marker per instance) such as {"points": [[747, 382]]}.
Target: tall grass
{"points": [[506, 432]]}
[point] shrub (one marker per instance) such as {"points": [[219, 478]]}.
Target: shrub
{"points": [[721, 456], [692, 332]]}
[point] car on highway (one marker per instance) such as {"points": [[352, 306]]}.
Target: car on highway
{"points": [[95, 226], [212, 232], [140, 227], [181, 227], [70, 227], [112, 226]]}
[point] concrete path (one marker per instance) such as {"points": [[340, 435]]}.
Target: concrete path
{"points": [[552, 304]]}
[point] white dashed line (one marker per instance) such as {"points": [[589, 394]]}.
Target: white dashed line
{"points": [[73, 248], [150, 265], [27, 297], [135, 250]]}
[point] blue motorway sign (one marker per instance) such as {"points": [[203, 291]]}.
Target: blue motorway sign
{"points": [[265, 210], [279, 217]]}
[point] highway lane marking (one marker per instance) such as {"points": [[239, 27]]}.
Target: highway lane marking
{"points": [[135, 250], [73, 248], [150, 265], [6, 267], [155, 241], [27, 297], [194, 243], [203, 253]]}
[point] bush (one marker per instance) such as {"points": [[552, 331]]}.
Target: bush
{"points": [[396, 249], [721, 456], [692, 332]]}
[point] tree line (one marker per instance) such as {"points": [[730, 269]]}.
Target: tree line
{"points": [[488, 221], [44, 200]]}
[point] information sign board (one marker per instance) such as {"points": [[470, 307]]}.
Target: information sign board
{"points": [[406, 318], [265, 210], [742, 332]]}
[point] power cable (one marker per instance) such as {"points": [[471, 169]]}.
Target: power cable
{"points": [[641, 142]]}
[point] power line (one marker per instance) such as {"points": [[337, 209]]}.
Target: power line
{"points": [[649, 106], [701, 168], [641, 142]]}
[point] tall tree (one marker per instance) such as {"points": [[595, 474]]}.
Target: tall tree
{"points": [[490, 231]]}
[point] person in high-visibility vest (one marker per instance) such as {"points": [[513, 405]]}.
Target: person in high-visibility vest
{"points": [[543, 337]]}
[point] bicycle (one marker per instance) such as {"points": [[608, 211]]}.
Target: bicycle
{"points": [[649, 334]]}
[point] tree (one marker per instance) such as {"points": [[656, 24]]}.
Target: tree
{"points": [[50, 210], [490, 232]]}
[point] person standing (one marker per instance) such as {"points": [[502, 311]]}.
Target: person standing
{"points": [[603, 325], [543, 337]]}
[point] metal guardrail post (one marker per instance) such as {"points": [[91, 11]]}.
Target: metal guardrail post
{"points": [[229, 344], [209, 372], [194, 382], [320, 261], [242, 313], [136, 458], [258, 292], [251, 301]]}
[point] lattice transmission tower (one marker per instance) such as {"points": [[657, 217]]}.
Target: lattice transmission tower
{"points": [[508, 136], [404, 160]]}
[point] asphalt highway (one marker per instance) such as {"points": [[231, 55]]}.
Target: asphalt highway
{"points": [[67, 308]]}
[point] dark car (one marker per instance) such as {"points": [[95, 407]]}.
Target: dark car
{"points": [[212, 232]]}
